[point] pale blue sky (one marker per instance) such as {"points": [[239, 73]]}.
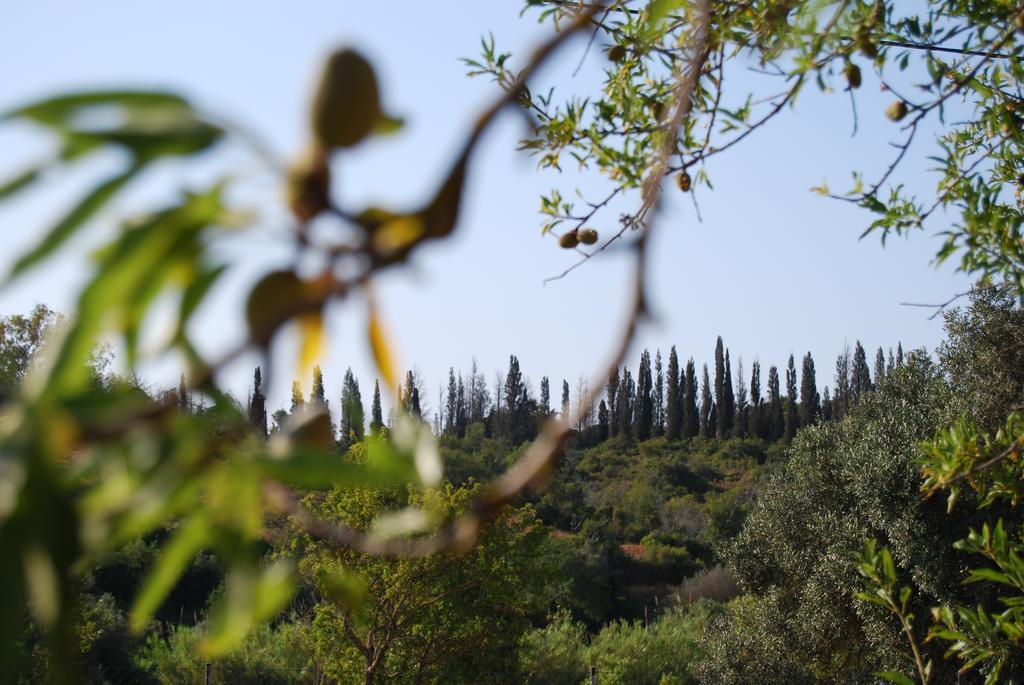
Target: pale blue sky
{"points": [[772, 268]]}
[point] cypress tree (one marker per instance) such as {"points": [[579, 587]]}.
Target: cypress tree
{"points": [[776, 415], [439, 417], [479, 399], [841, 397], [808, 392], [644, 398], [860, 377], [352, 424], [376, 413], [612, 390], [754, 425], [297, 400], [411, 396], [719, 382], [659, 396], [461, 409], [183, 403], [791, 399], [705, 406], [565, 400], [451, 403], [727, 413], [545, 396], [602, 419], [626, 402], [899, 354], [673, 404], [515, 401], [879, 366], [826, 406], [890, 363], [257, 403], [691, 417], [317, 397], [742, 406]]}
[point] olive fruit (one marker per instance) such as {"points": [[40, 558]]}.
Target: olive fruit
{"points": [[852, 73], [346, 107], [569, 240], [684, 181], [617, 53], [587, 236], [897, 110], [656, 108]]}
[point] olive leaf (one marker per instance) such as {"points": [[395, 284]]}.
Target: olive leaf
{"points": [[346, 107], [278, 297], [66, 228], [174, 557]]}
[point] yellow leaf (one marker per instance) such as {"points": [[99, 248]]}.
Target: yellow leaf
{"points": [[381, 348], [311, 331], [398, 234]]}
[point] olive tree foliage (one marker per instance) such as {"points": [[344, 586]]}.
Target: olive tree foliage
{"points": [[808, 613], [947, 64], [442, 618], [794, 556], [974, 460]]}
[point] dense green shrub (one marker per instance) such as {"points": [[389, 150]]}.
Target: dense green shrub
{"points": [[269, 656], [857, 479], [662, 652]]}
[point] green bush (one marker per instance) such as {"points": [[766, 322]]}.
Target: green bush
{"points": [[269, 656], [623, 652]]}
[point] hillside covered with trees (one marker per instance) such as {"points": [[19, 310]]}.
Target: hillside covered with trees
{"points": [[709, 550], [680, 520]]}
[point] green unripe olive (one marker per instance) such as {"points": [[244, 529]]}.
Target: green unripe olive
{"points": [[617, 53], [346, 107], [684, 181], [656, 108], [568, 240], [852, 73], [897, 110], [587, 236]]}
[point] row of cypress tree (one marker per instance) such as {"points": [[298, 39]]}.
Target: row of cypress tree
{"points": [[659, 400]]}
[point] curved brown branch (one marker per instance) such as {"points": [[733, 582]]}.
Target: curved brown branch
{"points": [[539, 460]]}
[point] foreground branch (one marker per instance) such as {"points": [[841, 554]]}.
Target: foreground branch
{"points": [[536, 464]]}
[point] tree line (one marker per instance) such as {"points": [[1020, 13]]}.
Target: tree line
{"points": [[657, 400]]}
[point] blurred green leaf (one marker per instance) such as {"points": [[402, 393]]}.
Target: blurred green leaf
{"points": [[75, 219], [389, 125], [344, 587], [895, 677], [275, 299], [58, 111], [250, 597], [20, 182], [195, 291], [174, 557]]}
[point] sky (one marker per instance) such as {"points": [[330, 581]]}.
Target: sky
{"points": [[772, 268]]}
